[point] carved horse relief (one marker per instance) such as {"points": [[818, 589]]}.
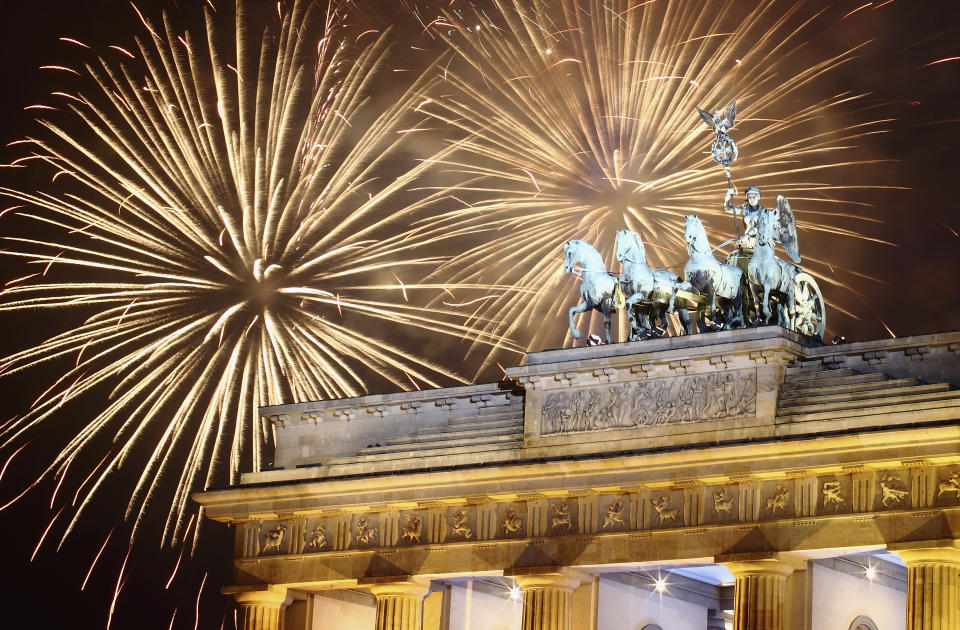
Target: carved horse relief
{"points": [[597, 286]]}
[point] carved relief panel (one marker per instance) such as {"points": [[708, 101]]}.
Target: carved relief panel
{"points": [[316, 536], [724, 502], [615, 513], [650, 402], [834, 495], [948, 488], [667, 509]]}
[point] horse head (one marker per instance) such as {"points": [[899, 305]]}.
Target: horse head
{"points": [[765, 229], [568, 256], [695, 235], [630, 247]]}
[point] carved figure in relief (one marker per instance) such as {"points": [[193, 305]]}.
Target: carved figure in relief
{"points": [[613, 516], [460, 525], [511, 522], [561, 516], [832, 496], [413, 529], [952, 484], [722, 503], [273, 539], [891, 494], [664, 514], [317, 538], [779, 500], [365, 533]]}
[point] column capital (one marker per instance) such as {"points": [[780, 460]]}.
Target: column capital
{"points": [[942, 551], [411, 587], [758, 564], [266, 595], [549, 577]]}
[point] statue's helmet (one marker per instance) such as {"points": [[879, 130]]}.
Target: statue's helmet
{"points": [[752, 189]]}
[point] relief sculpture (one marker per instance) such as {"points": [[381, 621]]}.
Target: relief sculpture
{"points": [[613, 517], [273, 539], [952, 484], [365, 533], [654, 402], [511, 522], [891, 495], [413, 529], [779, 500], [722, 504], [663, 512], [317, 539], [561, 517], [460, 525], [832, 496]]}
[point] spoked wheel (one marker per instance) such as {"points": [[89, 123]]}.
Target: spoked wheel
{"points": [[808, 313]]}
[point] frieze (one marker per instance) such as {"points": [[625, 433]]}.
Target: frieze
{"points": [[606, 512], [652, 402]]}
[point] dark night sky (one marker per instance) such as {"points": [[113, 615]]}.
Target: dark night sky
{"points": [[920, 291]]}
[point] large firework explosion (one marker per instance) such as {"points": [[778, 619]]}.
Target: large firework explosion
{"points": [[230, 237], [581, 121]]}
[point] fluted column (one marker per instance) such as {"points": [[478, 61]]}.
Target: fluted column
{"points": [[260, 609], [933, 587], [547, 600], [399, 604], [758, 594]]}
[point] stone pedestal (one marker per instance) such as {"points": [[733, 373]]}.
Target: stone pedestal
{"points": [[547, 600], [399, 604], [933, 587], [758, 594], [260, 610]]}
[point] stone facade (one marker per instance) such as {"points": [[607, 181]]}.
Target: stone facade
{"points": [[741, 449]]}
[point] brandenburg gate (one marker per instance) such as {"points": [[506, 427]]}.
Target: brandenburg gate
{"points": [[734, 480]]}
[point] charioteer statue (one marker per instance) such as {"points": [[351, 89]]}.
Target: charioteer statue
{"points": [[785, 225], [752, 287]]}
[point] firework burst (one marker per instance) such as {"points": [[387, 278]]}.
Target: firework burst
{"points": [[241, 243], [580, 119]]}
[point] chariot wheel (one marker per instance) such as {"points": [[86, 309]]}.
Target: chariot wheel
{"points": [[808, 313]]}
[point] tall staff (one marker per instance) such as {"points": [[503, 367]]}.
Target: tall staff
{"points": [[723, 149]]}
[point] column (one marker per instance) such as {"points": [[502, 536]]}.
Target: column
{"points": [[933, 586], [547, 600], [758, 594], [399, 604], [260, 609]]}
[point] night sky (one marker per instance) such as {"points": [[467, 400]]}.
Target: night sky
{"points": [[910, 69]]}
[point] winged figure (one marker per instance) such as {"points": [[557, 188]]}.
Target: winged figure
{"points": [[785, 228], [720, 123]]}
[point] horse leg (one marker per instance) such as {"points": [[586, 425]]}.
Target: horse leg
{"points": [[579, 308], [686, 321], [736, 308], [767, 313], [605, 307], [631, 308]]}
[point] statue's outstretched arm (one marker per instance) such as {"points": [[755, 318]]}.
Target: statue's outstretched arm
{"points": [[728, 204]]}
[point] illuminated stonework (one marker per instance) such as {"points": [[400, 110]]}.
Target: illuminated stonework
{"points": [[769, 454]]}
